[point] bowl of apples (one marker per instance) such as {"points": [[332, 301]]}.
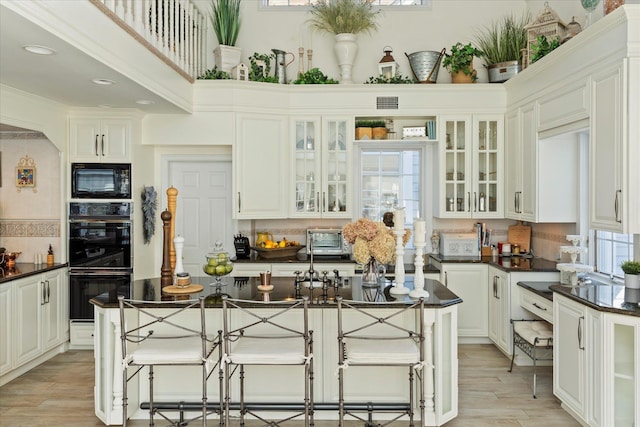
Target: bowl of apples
{"points": [[218, 264]]}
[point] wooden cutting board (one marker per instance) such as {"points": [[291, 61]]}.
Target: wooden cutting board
{"points": [[520, 234]]}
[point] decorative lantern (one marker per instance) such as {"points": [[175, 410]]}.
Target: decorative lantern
{"points": [[387, 66], [547, 24], [240, 72]]}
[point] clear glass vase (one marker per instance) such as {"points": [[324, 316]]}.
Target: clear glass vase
{"points": [[372, 272]]}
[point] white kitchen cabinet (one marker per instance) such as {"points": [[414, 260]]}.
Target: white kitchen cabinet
{"points": [[499, 309], [99, 140], [260, 172], [37, 319], [577, 358], [470, 283], [6, 328], [471, 171], [540, 175], [321, 165], [621, 372], [614, 176]]}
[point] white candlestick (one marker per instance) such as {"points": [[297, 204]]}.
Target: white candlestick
{"points": [[419, 233], [399, 288], [398, 219], [418, 280]]}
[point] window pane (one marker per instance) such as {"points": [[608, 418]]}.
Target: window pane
{"points": [[611, 250], [390, 178]]}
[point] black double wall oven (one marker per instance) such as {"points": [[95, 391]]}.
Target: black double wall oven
{"points": [[100, 254]]}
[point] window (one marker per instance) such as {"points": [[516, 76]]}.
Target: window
{"points": [[390, 177], [276, 3], [611, 250]]}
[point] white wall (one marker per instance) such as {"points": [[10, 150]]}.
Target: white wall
{"points": [[405, 30]]}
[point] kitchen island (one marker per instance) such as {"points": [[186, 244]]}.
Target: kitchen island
{"points": [[365, 384]]}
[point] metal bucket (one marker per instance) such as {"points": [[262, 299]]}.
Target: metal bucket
{"points": [[425, 65], [503, 71]]}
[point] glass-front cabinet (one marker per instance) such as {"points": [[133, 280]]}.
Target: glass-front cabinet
{"points": [[322, 167], [470, 165]]}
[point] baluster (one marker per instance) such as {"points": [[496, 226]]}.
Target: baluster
{"points": [[110, 4], [189, 55], [138, 17], [128, 12], [119, 10], [429, 368], [181, 32], [172, 31], [164, 27], [202, 32]]}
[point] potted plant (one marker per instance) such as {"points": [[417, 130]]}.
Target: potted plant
{"points": [[345, 19], [501, 45], [459, 62], [631, 274], [314, 77], [364, 129], [379, 129], [543, 47], [225, 20]]}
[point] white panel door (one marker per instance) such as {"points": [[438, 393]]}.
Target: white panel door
{"points": [[203, 211]]}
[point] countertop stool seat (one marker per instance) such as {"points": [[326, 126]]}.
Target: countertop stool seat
{"points": [[153, 338], [257, 333], [535, 339], [382, 335]]}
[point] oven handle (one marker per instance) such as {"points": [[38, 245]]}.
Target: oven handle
{"points": [[100, 272], [99, 221]]}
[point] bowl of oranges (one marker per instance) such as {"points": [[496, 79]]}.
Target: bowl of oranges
{"points": [[278, 248]]}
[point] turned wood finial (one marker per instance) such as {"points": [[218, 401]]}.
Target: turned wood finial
{"points": [[166, 274], [172, 196]]}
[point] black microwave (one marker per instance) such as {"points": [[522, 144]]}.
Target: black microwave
{"points": [[100, 181]]}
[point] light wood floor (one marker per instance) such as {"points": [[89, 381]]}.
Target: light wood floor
{"points": [[60, 393]]}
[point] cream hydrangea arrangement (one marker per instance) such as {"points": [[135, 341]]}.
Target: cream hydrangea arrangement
{"points": [[372, 239]]}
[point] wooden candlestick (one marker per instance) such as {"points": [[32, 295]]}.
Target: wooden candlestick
{"points": [[172, 195], [166, 275]]}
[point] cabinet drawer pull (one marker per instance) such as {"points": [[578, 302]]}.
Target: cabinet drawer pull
{"points": [[616, 205], [96, 150], [469, 201], [535, 304], [580, 343], [239, 202], [102, 145], [475, 202], [43, 301]]}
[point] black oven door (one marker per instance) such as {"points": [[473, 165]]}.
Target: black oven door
{"points": [[100, 244], [102, 285]]}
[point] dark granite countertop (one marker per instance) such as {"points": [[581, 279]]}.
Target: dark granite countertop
{"points": [[509, 264], [26, 269], [284, 289], [539, 288], [602, 297]]}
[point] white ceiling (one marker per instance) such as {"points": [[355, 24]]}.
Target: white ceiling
{"points": [[67, 75]]}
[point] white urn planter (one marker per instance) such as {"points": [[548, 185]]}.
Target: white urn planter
{"points": [[632, 281], [346, 49], [227, 57]]}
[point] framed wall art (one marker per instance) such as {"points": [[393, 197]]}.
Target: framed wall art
{"points": [[26, 174]]}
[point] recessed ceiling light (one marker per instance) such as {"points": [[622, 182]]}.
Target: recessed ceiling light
{"points": [[103, 81], [144, 102], [39, 50]]}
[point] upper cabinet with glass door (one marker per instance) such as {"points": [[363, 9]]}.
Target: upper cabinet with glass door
{"points": [[470, 167], [322, 167]]}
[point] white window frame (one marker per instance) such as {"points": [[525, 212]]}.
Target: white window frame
{"points": [[612, 257], [427, 157]]}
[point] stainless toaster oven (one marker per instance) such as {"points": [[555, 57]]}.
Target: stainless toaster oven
{"points": [[327, 241]]}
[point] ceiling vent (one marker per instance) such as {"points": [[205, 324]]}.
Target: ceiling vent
{"points": [[387, 102]]}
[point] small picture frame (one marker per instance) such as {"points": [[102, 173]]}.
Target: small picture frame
{"points": [[25, 177], [26, 174]]}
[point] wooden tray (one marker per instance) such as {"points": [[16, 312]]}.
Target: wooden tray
{"points": [[191, 289], [288, 252], [520, 234]]}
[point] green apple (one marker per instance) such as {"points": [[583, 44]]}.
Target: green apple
{"points": [[222, 257], [221, 270], [229, 268], [213, 262], [210, 270]]}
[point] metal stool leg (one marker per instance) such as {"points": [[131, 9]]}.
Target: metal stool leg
{"points": [[534, 367]]}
